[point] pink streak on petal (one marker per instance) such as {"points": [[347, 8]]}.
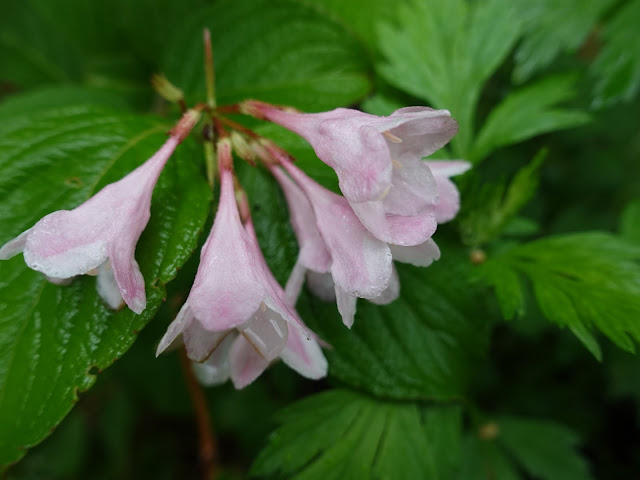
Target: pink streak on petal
{"points": [[228, 288]]}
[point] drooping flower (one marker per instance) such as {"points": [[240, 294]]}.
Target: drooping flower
{"points": [[100, 236], [378, 162], [360, 264], [235, 317]]}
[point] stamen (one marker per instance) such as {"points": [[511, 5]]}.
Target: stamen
{"points": [[385, 193], [263, 307], [93, 272], [396, 163], [391, 137]]}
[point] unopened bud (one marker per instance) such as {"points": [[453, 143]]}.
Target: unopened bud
{"points": [[241, 147], [166, 89], [189, 120]]}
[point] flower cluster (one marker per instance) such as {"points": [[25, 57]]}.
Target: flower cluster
{"points": [[237, 318]]}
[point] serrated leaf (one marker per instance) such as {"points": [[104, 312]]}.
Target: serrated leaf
{"points": [[489, 208], [278, 51], [583, 281], [544, 449], [552, 28], [528, 112], [419, 347], [342, 434], [54, 339], [617, 67], [444, 52]]}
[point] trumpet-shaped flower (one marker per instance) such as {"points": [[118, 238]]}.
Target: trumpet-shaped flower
{"points": [[100, 236], [332, 239], [235, 317], [378, 162]]}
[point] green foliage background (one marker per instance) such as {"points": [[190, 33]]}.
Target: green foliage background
{"points": [[520, 366]]}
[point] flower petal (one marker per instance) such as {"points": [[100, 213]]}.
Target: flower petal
{"points": [[346, 306], [321, 285], [421, 255], [267, 331], [14, 246], [304, 355], [107, 286], [200, 342], [183, 320], [216, 370], [391, 293], [246, 364], [127, 273]]}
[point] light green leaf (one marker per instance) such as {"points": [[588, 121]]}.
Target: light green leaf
{"points": [[528, 112], [53, 340], [279, 51], [342, 434], [444, 52], [552, 28], [617, 67], [583, 281]]}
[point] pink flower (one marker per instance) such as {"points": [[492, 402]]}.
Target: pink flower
{"points": [[359, 264], [235, 314], [378, 162], [100, 236]]}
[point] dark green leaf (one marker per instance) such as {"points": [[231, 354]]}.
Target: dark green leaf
{"points": [[544, 449], [279, 51], [54, 339], [526, 113], [552, 28], [489, 208], [583, 281], [419, 347], [617, 67], [341, 434]]}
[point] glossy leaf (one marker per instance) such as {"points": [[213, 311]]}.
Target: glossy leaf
{"points": [[289, 53], [53, 340]]}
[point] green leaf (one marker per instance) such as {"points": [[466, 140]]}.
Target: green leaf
{"points": [[583, 281], [350, 13], [552, 28], [279, 51], [54, 339], [617, 67], [630, 223], [483, 459], [444, 52], [528, 112], [421, 346], [490, 208], [544, 449], [342, 434]]}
